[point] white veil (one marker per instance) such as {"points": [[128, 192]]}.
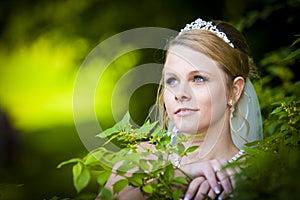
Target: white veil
{"points": [[246, 123]]}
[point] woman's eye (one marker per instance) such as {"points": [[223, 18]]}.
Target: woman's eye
{"points": [[199, 79], [171, 81]]}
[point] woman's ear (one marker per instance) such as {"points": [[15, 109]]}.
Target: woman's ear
{"points": [[238, 87]]}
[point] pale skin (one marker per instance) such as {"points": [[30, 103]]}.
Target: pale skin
{"points": [[196, 98]]}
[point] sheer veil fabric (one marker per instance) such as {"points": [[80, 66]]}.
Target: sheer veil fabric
{"points": [[246, 123]]}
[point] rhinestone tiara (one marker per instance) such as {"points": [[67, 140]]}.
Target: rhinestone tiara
{"points": [[200, 24]]}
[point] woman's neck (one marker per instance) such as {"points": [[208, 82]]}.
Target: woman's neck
{"points": [[215, 143]]}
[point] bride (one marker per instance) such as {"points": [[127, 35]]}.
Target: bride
{"points": [[205, 88]]}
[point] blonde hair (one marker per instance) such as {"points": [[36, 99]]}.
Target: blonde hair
{"points": [[233, 61]]}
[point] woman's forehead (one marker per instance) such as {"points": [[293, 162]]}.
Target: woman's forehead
{"points": [[189, 59]]}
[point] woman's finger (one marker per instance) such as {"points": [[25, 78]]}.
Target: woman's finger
{"points": [[222, 195], [202, 191], [211, 176], [231, 172], [193, 187], [212, 194], [224, 179]]}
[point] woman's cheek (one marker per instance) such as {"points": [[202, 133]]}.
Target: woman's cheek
{"points": [[167, 101]]}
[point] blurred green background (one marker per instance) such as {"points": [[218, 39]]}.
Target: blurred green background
{"points": [[42, 45]]}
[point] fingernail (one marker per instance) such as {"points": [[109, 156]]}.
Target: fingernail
{"points": [[187, 197], [219, 198], [217, 190]]}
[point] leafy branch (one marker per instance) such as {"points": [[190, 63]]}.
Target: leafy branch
{"points": [[145, 161], [271, 169]]}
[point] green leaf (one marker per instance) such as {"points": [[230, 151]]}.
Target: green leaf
{"points": [[158, 132], [108, 157], [83, 180], [252, 151], [73, 160], [179, 180], [94, 156], [191, 149], [137, 179], [105, 166], [103, 176], [144, 165], [119, 185], [105, 194], [77, 169], [296, 41], [293, 55], [148, 189], [81, 177], [176, 194], [284, 127], [147, 127], [124, 124], [170, 171], [90, 159], [159, 156], [276, 110], [133, 157], [119, 155], [125, 167], [155, 164], [180, 148], [111, 138], [108, 132]]}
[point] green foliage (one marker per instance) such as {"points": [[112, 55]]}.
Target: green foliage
{"points": [[123, 131], [284, 121], [81, 176], [271, 170], [278, 79], [144, 165]]}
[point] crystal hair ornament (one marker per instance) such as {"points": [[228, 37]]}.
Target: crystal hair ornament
{"points": [[200, 24]]}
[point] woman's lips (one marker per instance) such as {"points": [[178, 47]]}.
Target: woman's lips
{"points": [[181, 112]]}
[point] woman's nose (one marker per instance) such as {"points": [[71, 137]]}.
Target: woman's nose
{"points": [[181, 98], [183, 93]]}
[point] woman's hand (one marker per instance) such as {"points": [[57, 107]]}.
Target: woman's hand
{"points": [[209, 179]]}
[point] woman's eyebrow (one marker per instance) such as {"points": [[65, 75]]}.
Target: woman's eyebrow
{"points": [[170, 74], [168, 71], [199, 72], [194, 72]]}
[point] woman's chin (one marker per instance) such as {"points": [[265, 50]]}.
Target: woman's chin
{"points": [[187, 130]]}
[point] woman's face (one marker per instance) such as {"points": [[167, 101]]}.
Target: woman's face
{"points": [[195, 92]]}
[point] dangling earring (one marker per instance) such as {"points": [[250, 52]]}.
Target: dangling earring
{"points": [[231, 115], [231, 108]]}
